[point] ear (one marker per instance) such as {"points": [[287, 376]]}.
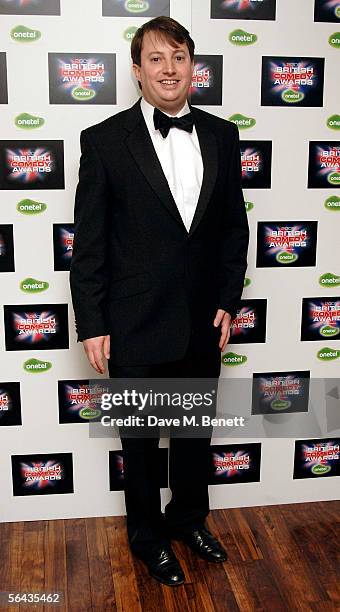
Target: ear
{"points": [[137, 70]]}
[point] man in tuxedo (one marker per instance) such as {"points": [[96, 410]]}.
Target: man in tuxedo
{"points": [[157, 272]]}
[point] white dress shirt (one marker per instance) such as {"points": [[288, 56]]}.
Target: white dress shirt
{"points": [[181, 160]]}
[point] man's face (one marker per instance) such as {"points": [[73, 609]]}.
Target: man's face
{"points": [[165, 73]]}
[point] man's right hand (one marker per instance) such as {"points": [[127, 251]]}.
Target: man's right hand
{"points": [[95, 349]]}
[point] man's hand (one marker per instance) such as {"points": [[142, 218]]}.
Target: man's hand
{"points": [[95, 348], [223, 318]]}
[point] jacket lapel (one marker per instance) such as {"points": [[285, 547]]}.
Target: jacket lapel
{"points": [[208, 147], [141, 148]]}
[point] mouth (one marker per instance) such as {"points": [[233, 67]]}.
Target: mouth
{"points": [[169, 83]]}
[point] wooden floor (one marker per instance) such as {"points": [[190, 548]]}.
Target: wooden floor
{"points": [[280, 558]]}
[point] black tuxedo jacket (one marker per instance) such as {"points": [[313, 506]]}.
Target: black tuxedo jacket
{"points": [[136, 273]]}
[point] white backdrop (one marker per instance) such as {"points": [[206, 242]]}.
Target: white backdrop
{"points": [[294, 33]]}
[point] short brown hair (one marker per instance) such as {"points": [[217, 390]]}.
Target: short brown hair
{"points": [[166, 27]]}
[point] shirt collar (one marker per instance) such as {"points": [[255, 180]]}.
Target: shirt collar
{"points": [[148, 110]]}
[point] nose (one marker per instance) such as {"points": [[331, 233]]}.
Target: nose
{"points": [[169, 67]]}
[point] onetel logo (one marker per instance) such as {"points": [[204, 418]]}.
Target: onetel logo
{"points": [[23, 34], [333, 203], [247, 282], [333, 122], [286, 258], [242, 38], [328, 331], [136, 6], [34, 366], [242, 122], [30, 285], [280, 405], [129, 33], [232, 359], [321, 469], [329, 280], [291, 97], [327, 354], [30, 207], [334, 40], [334, 178], [249, 206], [89, 413], [83, 93], [28, 122]]}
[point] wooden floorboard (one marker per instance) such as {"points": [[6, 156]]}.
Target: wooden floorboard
{"points": [[280, 558]]}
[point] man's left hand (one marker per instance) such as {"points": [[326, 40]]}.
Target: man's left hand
{"points": [[223, 318]]}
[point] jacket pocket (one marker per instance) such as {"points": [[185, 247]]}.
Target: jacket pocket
{"points": [[130, 285]]}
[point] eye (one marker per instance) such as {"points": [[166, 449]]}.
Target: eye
{"points": [[180, 57], [155, 59]]}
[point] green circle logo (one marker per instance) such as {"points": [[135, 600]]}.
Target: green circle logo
{"points": [[286, 258], [233, 359], [328, 331], [82, 93], [333, 122], [89, 413], [327, 354], [136, 6], [320, 470], [129, 33], [332, 203], [279, 405], [334, 178], [334, 40], [292, 97]]}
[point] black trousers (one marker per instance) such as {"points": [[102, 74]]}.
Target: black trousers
{"points": [[189, 461]]}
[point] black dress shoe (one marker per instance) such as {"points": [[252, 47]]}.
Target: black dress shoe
{"points": [[162, 564], [202, 542]]}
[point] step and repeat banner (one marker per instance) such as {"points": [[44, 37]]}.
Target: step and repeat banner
{"points": [[270, 66]]}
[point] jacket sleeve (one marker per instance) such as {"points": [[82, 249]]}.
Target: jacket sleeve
{"points": [[235, 236], [89, 267]]}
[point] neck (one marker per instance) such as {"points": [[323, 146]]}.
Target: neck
{"points": [[172, 110]]}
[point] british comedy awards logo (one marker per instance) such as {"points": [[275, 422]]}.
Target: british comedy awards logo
{"points": [[33, 164], [243, 9], [292, 81], [317, 458], [82, 79], [324, 165], [286, 243], [320, 318], [63, 234], [6, 248], [29, 7], [137, 8], [42, 474], [79, 402], [277, 392], [327, 10], [235, 463], [206, 86], [36, 327], [256, 161], [249, 324], [10, 404]]}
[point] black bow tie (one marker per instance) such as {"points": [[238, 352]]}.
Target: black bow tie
{"points": [[164, 123]]}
